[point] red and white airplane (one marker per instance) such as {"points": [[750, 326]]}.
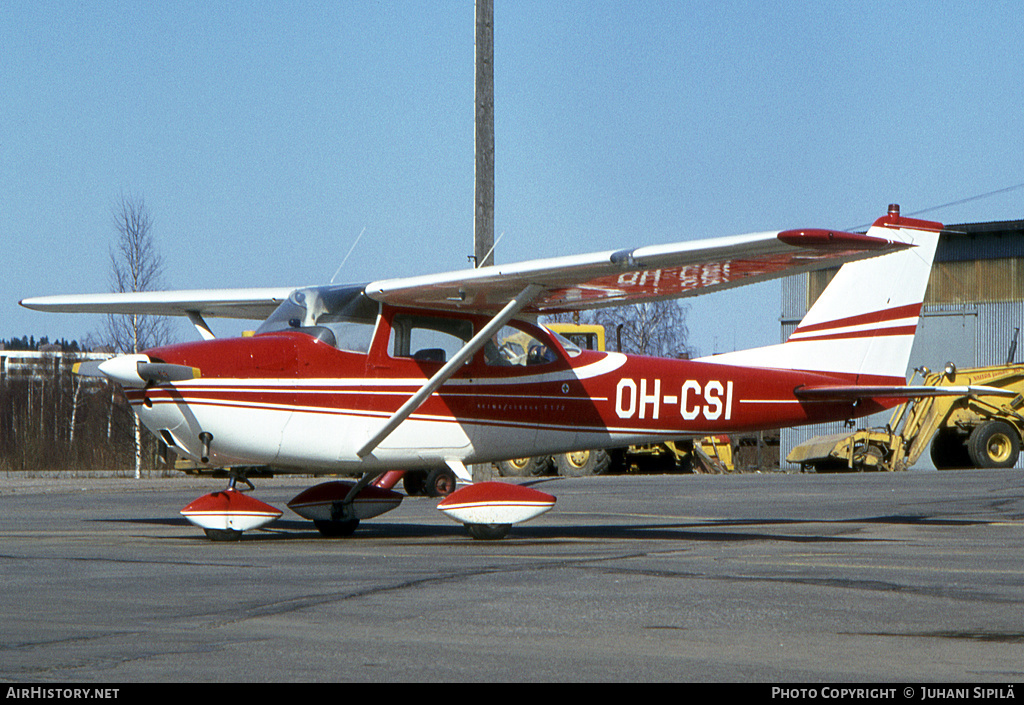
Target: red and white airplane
{"points": [[442, 371]]}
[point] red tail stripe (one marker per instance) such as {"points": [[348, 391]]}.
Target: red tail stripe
{"points": [[885, 315], [872, 333]]}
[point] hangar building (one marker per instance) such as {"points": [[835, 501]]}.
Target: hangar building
{"points": [[972, 309]]}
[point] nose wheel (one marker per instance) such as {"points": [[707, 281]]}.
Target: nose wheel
{"points": [[224, 515]]}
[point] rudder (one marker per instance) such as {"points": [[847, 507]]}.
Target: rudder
{"points": [[862, 326]]}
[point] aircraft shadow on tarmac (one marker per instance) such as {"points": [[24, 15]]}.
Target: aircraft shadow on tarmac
{"points": [[704, 531]]}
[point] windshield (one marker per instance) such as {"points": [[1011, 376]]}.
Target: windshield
{"points": [[342, 316], [571, 349]]}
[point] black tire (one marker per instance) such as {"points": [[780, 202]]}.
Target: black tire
{"points": [[223, 534], [994, 444], [949, 450], [584, 463], [525, 467], [414, 482], [488, 532], [440, 482], [336, 529]]}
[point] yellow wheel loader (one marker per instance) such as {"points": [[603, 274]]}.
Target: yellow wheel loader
{"points": [[970, 430]]}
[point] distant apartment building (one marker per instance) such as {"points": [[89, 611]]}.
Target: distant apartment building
{"points": [[46, 363]]}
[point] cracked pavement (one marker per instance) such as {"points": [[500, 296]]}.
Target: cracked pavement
{"points": [[911, 576]]}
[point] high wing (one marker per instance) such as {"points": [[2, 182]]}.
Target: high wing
{"points": [[595, 280], [643, 274], [216, 303]]}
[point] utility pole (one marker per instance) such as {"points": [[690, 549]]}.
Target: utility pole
{"points": [[483, 211], [483, 201]]}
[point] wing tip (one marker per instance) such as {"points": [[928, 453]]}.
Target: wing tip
{"points": [[818, 238]]}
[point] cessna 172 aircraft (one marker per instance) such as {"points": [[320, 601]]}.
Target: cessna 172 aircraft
{"points": [[452, 369]]}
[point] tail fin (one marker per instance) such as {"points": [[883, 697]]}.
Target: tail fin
{"points": [[862, 326]]}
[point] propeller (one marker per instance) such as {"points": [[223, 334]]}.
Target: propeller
{"points": [[136, 370]]}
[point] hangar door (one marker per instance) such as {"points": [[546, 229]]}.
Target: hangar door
{"points": [[945, 337]]}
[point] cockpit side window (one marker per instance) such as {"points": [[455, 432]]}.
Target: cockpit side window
{"points": [[341, 316], [514, 347], [428, 338]]}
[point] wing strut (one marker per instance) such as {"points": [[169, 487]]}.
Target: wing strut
{"points": [[467, 351], [197, 320]]}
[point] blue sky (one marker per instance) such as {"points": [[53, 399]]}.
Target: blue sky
{"points": [[265, 136]]}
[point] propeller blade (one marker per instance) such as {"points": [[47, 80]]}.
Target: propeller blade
{"points": [[88, 368], [162, 372]]}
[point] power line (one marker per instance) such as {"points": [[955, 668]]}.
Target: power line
{"points": [[969, 199], [951, 203]]}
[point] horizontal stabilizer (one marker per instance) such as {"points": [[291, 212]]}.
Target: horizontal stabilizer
{"points": [[852, 392]]}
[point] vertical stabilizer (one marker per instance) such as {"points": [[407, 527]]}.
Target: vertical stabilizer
{"points": [[862, 326]]}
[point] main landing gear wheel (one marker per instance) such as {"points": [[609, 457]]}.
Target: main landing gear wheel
{"points": [[488, 532], [413, 481], [223, 534], [336, 529], [489, 509], [439, 482]]}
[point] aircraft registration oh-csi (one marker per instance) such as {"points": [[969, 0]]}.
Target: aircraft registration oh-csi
{"points": [[434, 373]]}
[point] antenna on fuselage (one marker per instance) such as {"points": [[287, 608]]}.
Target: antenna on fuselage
{"points": [[346, 256]]}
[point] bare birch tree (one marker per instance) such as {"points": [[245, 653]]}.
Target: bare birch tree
{"points": [[135, 265], [655, 328]]}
